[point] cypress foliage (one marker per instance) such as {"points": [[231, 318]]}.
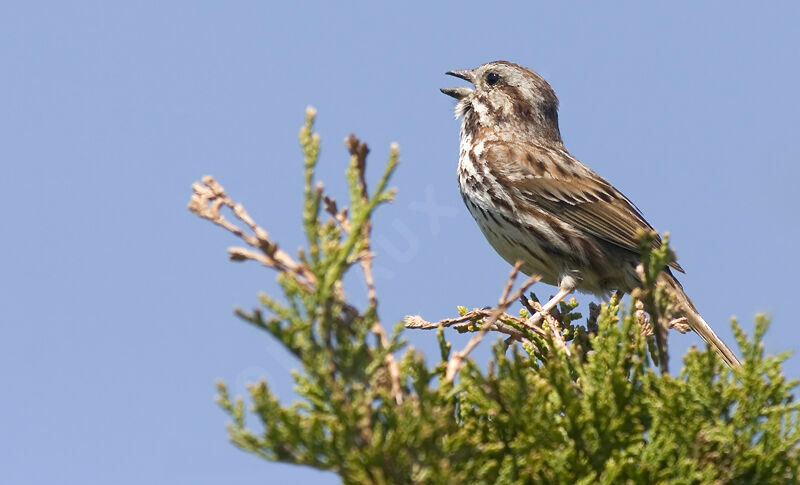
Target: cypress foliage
{"points": [[572, 400]]}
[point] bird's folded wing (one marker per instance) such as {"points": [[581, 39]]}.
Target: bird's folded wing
{"points": [[554, 181]]}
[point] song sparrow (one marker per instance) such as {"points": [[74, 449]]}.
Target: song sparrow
{"points": [[538, 204]]}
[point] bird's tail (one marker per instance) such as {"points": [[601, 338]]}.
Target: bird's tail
{"points": [[696, 322]]}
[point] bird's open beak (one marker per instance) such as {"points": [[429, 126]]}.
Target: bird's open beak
{"points": [[459, 93]]}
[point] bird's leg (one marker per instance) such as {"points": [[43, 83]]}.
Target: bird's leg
{"points": [[566, 285], [555, 327], [562, 293]]}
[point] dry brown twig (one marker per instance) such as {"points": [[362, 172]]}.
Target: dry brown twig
{"points": [[340, 216], [680, 324], [360, 151], [207, 200], [454, 364], [466, 322]]}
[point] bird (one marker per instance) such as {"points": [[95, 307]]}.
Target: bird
{"points": [[538, 204]]}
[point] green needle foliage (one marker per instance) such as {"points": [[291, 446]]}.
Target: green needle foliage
{"points": [[372, 410]]}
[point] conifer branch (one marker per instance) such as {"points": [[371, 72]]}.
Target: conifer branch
{"points": [[371, 410], [454, 364], [209, 197]]}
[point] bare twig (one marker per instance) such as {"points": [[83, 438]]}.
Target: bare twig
{"points": [[455, 362], [340, 216], [377, 329], [207, 200], [366, 266], [527, 303], [360, 151], [680, 324], [466, 322]]}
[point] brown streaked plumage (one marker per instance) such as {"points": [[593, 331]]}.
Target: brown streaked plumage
{"points": [[536, 203]]}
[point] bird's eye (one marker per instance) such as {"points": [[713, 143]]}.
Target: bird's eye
{"points": [[492, 78]]}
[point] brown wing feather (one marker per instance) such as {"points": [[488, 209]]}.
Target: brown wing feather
{"points": [[570, 191]]}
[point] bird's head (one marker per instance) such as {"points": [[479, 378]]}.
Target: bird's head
{"points": [[509, 98]]}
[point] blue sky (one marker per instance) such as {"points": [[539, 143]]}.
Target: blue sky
{"points": [[116, 302]]}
